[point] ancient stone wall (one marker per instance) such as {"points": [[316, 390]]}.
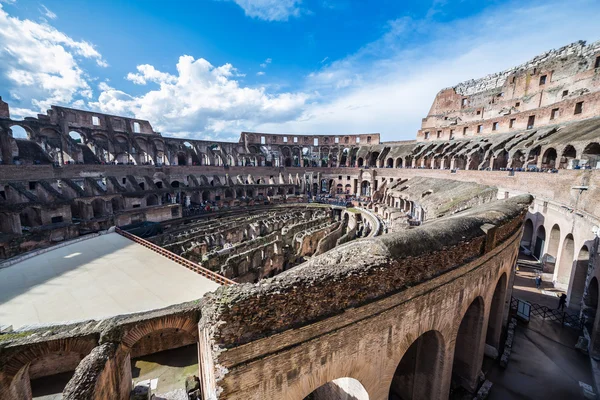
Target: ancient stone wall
{"points": [[379, 286]]}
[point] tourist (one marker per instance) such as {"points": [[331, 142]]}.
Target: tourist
{"points": [[538, 281], [562, 301]]}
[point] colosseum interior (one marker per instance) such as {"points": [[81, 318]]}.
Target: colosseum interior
{"points": [[298, 266]]}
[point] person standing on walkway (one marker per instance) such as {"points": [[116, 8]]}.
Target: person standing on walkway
{"points": [[562, 301], [538, 281]]}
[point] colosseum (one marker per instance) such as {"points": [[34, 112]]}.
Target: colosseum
{"points": [[298, 267]]}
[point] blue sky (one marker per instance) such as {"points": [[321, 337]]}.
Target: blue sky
{"points": [[212, 68]]}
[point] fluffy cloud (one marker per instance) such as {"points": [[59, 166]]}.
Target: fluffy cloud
{"points": [[270, 10], [200, 100], [40, 65]]}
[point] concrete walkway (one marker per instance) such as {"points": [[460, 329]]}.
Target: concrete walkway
{"points": [[91, 279], [544, 364]]}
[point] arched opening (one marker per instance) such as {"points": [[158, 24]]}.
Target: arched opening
{"points": [[30, 217], [181, 159], [175, 184], [116, 204], [152, 200], [418, 375], [467, 351], [389, 163], [501, 160], [288, 162], [205, 195], [518, 159], [399, 162], [47, 369], [591, 154], [76, 136], [157, 350], [579, 277], [98, 208], [360, 161], [228, 194], [552, 252], [494, 329], [568, 154], [18, 132], [540, 240], [340, 389], [566, 261], [549, 158], [365, 188], [527, 234], [374, 157]]}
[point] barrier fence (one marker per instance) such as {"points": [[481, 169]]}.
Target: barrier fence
{"points": [[551, 314], [213, 276]]}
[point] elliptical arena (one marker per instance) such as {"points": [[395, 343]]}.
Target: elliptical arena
{"points": [[291, 266]]}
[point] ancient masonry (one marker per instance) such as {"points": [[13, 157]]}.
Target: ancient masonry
{"points": [[345, 266]]}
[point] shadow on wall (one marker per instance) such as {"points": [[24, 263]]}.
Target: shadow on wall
{"points": [[340, 389]]}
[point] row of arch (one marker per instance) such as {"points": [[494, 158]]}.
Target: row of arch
{"points": [[420, 372]]}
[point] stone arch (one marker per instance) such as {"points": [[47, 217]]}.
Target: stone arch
{"points": [[467, 350], [360, 162], [494, 328], [577, 282], [565, 264], [527, 238], [184, 324], [419, 372], [340, 389], [98, 208], [152, 200], [552, 251], [540, 241], [389, 163], [117, 204], [569, 153], [21, 132], [63, 354], [181, 158], [549, 158], [591, 153]]}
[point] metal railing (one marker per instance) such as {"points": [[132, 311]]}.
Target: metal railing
{"points": [[551, 314], [213, 276]]}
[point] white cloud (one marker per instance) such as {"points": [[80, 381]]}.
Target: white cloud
{"points": [[48, 13], [266, 63], [200, 100], [8, 1], [260, 73], [389, 85], [270, 10], [40, 64]]}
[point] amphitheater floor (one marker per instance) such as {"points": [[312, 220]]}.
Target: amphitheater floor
{"points": [[95, 278]]}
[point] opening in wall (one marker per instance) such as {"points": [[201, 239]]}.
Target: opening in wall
{"points": [[543, 79], [531, 122], [495, 126], [511, 123], [579, 108], [597, 63], [554, 113]]}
